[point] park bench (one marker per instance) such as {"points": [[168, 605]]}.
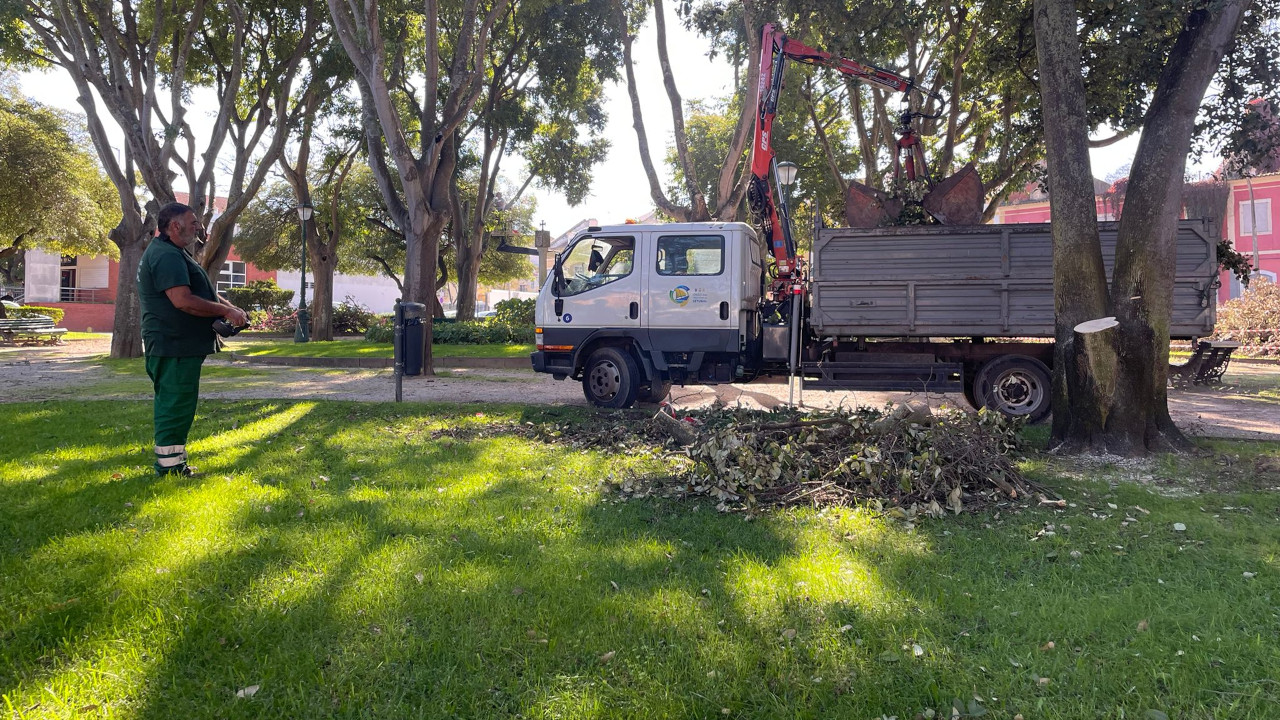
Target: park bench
{"points": [[33, 330], [1208, 362]]}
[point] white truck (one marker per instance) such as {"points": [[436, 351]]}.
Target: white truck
{"points": [[960, 306], [631, 309]]}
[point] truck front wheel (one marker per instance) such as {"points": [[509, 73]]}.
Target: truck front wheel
{"points": [[1015, 385], [611, 378]]}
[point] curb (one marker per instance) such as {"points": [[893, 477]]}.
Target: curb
{"points": [[516, 363]]}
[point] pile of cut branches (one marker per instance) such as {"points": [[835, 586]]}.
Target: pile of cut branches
{"points": [[904, 456]]}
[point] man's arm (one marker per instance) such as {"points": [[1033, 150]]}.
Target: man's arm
{"points": [[181, 297]]}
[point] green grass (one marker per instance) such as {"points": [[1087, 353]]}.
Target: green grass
{"points": [[356, 347], [352, 561]]}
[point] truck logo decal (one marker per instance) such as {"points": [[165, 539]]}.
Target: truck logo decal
{"points": [[567, 318], [680, 294]]}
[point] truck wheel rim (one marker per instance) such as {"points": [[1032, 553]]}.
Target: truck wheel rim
{"points": [[1018, 393], [605, 380]]}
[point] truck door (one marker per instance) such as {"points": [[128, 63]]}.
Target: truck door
{"points": [[601, 287], [690, 304]]}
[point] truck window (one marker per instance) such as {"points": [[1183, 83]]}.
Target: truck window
{"points": [[594, 262], [690, 255]]}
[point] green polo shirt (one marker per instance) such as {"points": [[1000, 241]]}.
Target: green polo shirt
{"points": [[166, 330]]}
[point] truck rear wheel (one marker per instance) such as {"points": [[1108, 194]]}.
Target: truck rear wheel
{"points": [[610, 379], [1017, 386], [654, 393]]}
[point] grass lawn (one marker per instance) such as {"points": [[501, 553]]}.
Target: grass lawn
{"points": [[357, 347], [350, 560]]}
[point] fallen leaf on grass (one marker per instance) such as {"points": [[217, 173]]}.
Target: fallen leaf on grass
{"points": [[1155, 715], [1143, 625], [1047, 646], [87, 708], [247, 692], [607, 656], [889, 656], [116, 476], [517, 590], [789, 634], [1248, 575], [1179, 527]]}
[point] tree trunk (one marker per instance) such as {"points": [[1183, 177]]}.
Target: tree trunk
{"points": [[324, 262], [1079, 277], [131, 238], [1142, 288], [468, 269]]}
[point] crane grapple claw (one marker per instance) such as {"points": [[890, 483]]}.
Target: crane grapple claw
{"points": [[957, 200], [867, 207]]}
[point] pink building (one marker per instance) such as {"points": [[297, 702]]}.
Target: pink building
{"points": [[1239, 224]]}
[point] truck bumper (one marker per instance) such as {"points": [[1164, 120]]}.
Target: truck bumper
{"points": [[558, 364]]}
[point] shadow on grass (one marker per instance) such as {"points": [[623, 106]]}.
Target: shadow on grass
{"points": [[351, 561]]}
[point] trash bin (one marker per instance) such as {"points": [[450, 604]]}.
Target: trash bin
{"points": [[408, 337]]}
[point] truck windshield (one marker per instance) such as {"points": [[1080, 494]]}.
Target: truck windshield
{"points": [[593, 262]]}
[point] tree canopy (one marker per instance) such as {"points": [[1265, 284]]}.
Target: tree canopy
{"points": [[53, 196]]}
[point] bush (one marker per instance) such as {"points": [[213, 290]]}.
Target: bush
{"points": [[481, 332], [1253, 319], [380, 330], [352, 318], [279, 322], [261, 295], [515, 312], [445, 331], [27, 311]]}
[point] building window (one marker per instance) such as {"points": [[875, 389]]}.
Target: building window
{"points": [[232, 275], [1261, 212]]}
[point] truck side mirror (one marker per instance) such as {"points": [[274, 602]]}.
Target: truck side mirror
{"points": [[557, 277]]}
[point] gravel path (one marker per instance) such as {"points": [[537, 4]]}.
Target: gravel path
{"points": [[68, 370]]}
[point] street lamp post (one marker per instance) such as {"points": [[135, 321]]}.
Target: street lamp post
{"points": [[787, 171], [302, 333]]}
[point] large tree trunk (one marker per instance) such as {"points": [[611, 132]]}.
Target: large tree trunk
{"points": [[1079, 278], [131, 236], [324, 261], [1146, 245]]}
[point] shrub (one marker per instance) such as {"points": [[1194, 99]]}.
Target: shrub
{"points": [[27, 311], [481, 332], [269, 322], [1253, 319], [261, 295], [515, 312], [380, 330], [352, 318]]}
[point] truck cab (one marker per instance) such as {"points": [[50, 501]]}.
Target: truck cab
{"points": [[631, 309]]}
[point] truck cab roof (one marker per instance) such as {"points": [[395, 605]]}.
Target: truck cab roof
{"points": [[669, 227]]}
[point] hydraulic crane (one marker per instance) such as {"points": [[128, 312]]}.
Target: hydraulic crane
{"points": [[956, 200]]}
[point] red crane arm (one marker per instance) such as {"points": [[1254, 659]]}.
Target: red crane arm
{"points": [[775, 49]]}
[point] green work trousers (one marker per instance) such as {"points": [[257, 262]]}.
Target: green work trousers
{"points": [[177, 387]]}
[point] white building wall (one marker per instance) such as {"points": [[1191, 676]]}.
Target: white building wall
{"points": [[376, 292], [43, 278]]}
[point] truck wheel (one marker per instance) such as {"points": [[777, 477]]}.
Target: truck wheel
{"points": [[1017, 386], [655, 393], [610, 378]]}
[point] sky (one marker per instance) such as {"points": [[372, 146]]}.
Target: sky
{"points": [[619, 189]]}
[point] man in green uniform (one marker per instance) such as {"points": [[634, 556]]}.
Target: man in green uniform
{"points": [[178, 308]]}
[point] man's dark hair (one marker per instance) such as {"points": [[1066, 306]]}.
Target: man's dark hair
{"points": [[169, 212]]}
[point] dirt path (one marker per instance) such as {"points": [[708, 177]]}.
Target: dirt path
{"points": [[71, 371]]}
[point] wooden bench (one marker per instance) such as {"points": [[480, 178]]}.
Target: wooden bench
{"points": [[35, 330], [1208, 362]]}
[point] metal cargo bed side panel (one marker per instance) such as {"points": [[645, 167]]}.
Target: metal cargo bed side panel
{"points": [[987, 280]]}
